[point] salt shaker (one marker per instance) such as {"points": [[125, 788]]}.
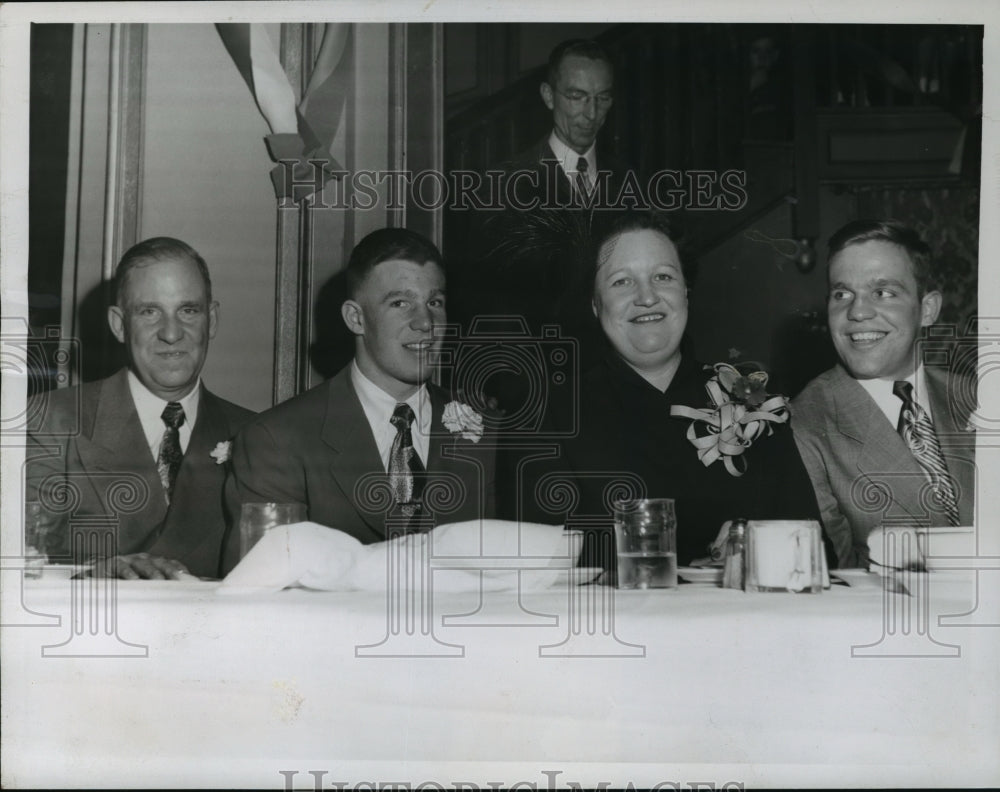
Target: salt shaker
{"points": [[732, 571]]}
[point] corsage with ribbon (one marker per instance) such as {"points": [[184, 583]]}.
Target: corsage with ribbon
{"points": [[739, 412]]}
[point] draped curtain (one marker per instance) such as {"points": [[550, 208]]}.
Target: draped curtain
{"points": [[301, 132]]}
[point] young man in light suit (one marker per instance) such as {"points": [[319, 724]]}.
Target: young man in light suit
{"points": [[110, 444], [337, 448], [853, 423]]}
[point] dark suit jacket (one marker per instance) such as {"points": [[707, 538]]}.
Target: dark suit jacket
{"points": [[850, 448], [317, 449], [548, 183], [88, 441], [510, 260]]}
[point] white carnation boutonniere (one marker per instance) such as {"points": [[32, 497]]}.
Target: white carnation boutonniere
{"points": [[221, 452], [461, 418], [740, 411]]}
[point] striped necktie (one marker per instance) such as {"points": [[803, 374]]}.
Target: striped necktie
{"points": [[405, 468], [582, 183], [916, 429], [168, 462]]}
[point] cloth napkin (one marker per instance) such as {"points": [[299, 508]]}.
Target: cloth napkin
{"points": [[311, 555]]}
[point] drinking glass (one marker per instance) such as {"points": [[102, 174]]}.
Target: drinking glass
{"points": [[256, 518], [646, 537]]}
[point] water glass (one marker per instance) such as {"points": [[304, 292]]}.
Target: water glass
{"points": [[256, 518], [646, 538]]}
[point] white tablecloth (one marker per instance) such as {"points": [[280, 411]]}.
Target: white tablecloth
{"points": [[697, 684]]}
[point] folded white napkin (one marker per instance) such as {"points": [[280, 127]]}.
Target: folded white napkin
{"points": [[313, 556]]}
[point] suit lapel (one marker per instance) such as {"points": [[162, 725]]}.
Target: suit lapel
{"points": [[949, 415], [437, 437], [883, 458], [353, 452], [564, 193], [199, 484], [462, 466], [119, 444], [958, 446]]}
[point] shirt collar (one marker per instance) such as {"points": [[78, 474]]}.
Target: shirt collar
{"points": [[889, 403], [149, 408], [148, 403], [568, 158], [379, 405]]}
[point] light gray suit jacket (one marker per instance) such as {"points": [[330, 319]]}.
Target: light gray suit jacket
{"points": [[862, 470]]}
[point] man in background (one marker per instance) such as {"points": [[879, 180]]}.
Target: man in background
{"points": [[150, 448], [549, 193], [579, 90]]}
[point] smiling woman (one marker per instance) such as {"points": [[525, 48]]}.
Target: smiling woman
{"points": [[628, 443], [640, 300]]}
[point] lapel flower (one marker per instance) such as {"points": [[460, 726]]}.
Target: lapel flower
{"points": [[221, 452], [740, 411], [459, 417]]}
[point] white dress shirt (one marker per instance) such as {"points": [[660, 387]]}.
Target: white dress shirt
{"points": [[889, 403], [379, 406], [568, 159], [150, 408]]}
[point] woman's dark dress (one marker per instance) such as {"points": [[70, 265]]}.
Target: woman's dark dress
{"points": [[626, 426]]}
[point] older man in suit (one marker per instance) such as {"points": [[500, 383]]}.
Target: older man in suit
{"points": [[141, 452], [882, 433], [563, 167], [377, 442]]}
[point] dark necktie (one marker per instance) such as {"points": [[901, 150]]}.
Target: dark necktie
{"points": [[582, 185], [916, 429], [169, 460], [405, 467]]}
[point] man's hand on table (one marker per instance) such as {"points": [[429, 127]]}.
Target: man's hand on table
{"points": [[141, 566]]}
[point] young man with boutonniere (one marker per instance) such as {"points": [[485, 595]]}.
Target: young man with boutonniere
{"points": [[377, 443]]}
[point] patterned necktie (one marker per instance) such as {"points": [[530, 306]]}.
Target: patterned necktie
{"points": [[405, 467], [169, 460], [582, 184], [916, 429]]}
